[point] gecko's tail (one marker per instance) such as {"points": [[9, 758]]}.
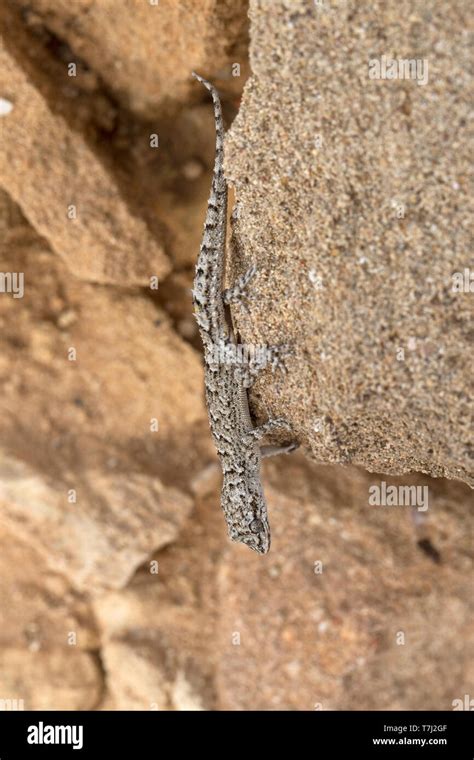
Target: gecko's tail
{"points": [[201, 79], [218, 171], [208, 86]]}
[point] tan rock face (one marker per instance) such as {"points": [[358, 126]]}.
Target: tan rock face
{"points": [[354, 204], [98, 532], [347, 612], [67, 678], [118, 586], [69, 196], [68, 482], [159, 644], [140, 679], [40, 610], [147, 50], [49, 638]]}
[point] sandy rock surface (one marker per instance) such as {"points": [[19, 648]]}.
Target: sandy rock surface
{"points": [[88, 377], [348, 612], [143, 50], [354, 202], [118, 586], [69, 197]]}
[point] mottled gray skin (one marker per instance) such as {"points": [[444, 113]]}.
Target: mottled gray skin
{"points": [[235, 438]]}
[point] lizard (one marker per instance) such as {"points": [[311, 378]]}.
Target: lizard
{"points": [[227, 377]]}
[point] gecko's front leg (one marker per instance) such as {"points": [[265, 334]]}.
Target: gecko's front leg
{"points": [[255, 358], [258, 358], [239, 291]]}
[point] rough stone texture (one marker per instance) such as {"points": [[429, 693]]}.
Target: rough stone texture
{"points": [[145, 51], [165, 635], [99, 540], [325, 637], [140, 678], [87, 424], [165, 186], [308, 640], [382, 369], [164, 624], [39, 607], [48, 635], [104, 242], [58, 679]]}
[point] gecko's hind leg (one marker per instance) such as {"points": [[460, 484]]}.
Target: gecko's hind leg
{"points": [[276, 356], [271, 451], [275, 423], [238, 292], [258, 359]]}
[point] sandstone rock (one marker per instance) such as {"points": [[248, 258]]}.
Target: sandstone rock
{"points": [[56, 680], [99, 539], [353, 203], [93, 457], [159, 634], [66, 192], [40, 609], [48, 635], [347, 611], [139, 678], [147, 52]]}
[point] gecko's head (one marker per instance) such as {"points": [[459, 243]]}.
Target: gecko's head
{"points": [[247, 518]]}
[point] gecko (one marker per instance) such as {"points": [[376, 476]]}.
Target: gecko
{"points": [[228, 374]]}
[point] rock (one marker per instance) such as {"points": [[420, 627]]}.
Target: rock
{"points": [[6, 107], [48, 635], [56, 680], [107, 411], [347, 612], [102, 537], [353, 203], [120, 587], [159, 634], [66, 192], [140, 680], [40, 609], [173, 39]]}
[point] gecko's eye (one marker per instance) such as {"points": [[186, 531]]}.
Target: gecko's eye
{"points": [[256, 526]]}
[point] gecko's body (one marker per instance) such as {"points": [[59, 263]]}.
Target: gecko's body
{"points": [[235, 437]]}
